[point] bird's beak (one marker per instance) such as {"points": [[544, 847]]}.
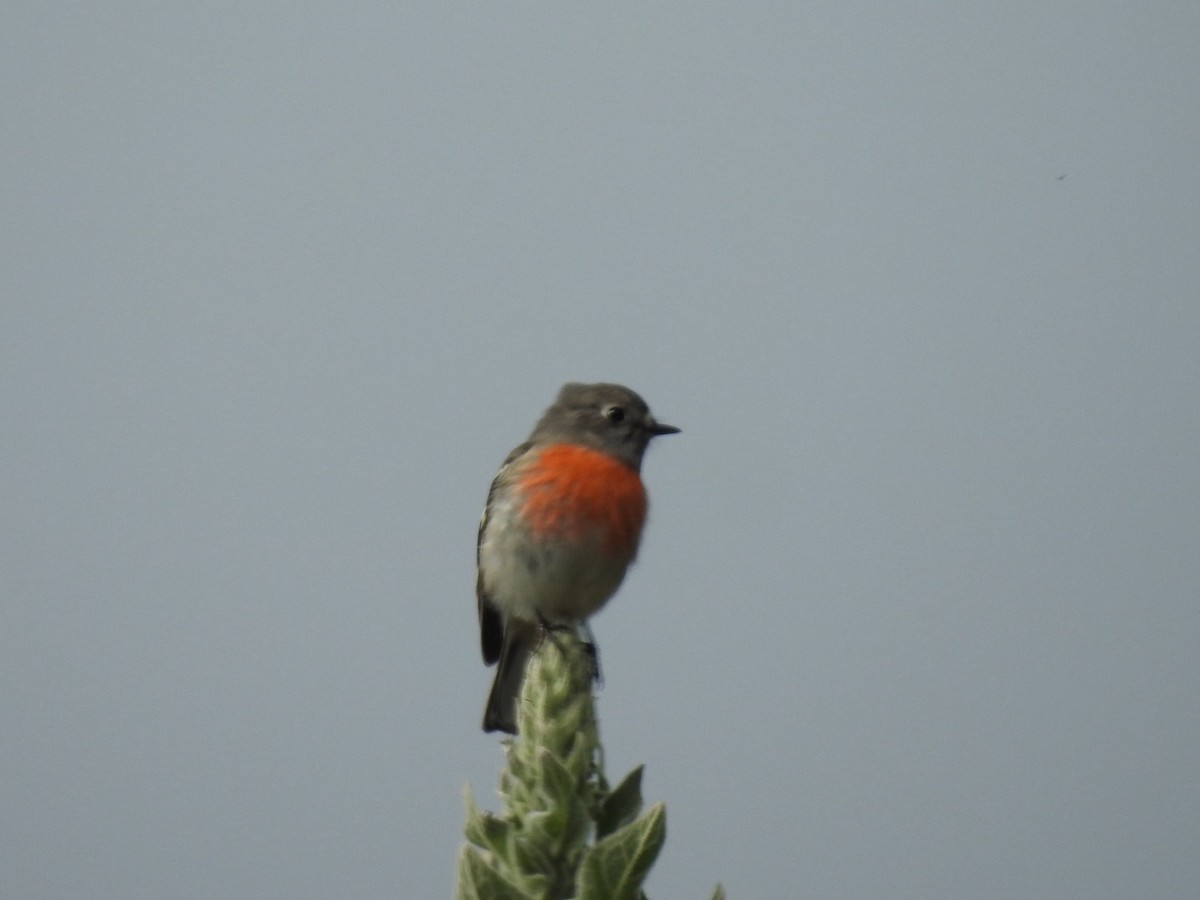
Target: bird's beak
{"points": [[656, 430]]}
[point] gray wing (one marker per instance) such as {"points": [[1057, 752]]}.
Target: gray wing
{"points": [[491, 622]]}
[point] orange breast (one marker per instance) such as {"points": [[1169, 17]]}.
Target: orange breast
{"points": [[575, 492]]}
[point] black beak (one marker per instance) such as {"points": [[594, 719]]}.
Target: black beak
{"points": [[657, 430]]}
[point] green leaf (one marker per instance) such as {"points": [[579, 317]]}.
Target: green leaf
{"points": [[479, 881], [614, 868], [622, 804], [556, 780], [485, 830], [555, 796]]}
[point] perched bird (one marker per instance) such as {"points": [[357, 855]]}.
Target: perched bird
{"points": [[561, 525]]}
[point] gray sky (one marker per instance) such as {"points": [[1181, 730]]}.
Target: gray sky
{"points": [[917, 612]]}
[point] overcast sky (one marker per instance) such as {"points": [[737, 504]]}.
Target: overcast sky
{"points": [[918, 608]]}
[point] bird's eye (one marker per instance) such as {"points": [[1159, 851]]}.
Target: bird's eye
{"points": [[614, 414]]}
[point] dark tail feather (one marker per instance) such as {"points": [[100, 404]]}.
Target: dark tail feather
{"points": [[501, 711]]}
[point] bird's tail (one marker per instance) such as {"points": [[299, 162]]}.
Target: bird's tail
{"points": [[501, 711]]}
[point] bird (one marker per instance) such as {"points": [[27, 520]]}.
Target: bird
{"points": [[561, 526]]}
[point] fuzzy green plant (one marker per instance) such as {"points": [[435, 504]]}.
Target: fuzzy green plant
{"points": [[563, 832]]}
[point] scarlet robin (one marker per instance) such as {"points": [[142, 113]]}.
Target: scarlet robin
{"points": [[562, 524]]}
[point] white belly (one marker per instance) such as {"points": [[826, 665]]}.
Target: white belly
{"points": [[549, 580]]}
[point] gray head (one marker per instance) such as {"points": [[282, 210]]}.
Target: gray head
{"points": [[606, 417]]}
